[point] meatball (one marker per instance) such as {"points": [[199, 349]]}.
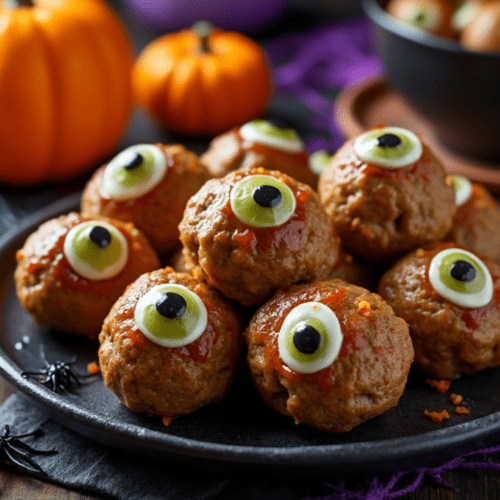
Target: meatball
{"points": [[482, 33], [328, 354], [477, 222], [387, 194], [450, 299], [255, 230], [169, 345], [260, 144], [72, 269], [148, 185]]}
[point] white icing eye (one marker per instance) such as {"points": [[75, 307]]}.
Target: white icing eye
{"points": [[463, 189], [96, 250], [389, 147], [464, 15], [426, 16], [310, 338], [263, 132], [133, 172], [461, 277], [262, 201], [171, 315], [319, 160]]}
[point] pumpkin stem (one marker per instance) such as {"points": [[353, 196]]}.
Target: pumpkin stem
{"points": [[16, 4], [203, 29]]}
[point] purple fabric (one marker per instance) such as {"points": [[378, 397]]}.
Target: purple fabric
{"points": [[316, 65]]}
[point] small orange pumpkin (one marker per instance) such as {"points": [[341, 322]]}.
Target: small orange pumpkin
{"points": [[202, 81], [65, 70]]}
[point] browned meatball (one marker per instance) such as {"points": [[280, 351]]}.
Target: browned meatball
{"points": [[230, 151], [169, 381], [158, 211], [178, 262], [477, 223], [368, 374], [56, 294], [448, 338], [381, 213], [354, 271], [248, 263]]}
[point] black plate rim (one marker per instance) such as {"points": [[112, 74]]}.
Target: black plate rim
{"points": [[467, 434]]}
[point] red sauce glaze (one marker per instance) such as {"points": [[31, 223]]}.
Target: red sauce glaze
{"points": [[289, 234], [472, 317], [469, 212], [422, 169], [200, 350], [352, 324], [66, 277], [131, 206]]}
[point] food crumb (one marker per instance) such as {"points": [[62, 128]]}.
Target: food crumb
{"points": [[461, 410], [437, 417], [93, 368], [456, 399], [449, 180], [364, 309], [166, 421], [440, 385], [420, 252]]}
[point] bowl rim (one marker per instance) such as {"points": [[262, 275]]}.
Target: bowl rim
{"points": [[382, 19]]}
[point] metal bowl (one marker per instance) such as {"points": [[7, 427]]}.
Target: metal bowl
{"points": [[454, 89]]}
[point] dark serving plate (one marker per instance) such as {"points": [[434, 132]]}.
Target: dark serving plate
{"points": [[240, 434]]}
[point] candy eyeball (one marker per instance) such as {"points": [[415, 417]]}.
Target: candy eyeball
{"points": [[463, 189], [389, 147], [262, 201], [171, 315], [310, 338], [461, 277], [319, 160], [263, 132], [133, 172], [96, 250]]}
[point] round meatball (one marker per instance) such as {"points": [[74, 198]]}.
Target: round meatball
{"points": [[72, 269], [477, 222], [328, 354], [255, 230], [250, 147], [387, 194], [148, 185], [450, 298], [169, 359], [482, 33]]}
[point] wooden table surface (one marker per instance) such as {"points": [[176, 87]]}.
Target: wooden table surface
{"points": [[479, 484]]}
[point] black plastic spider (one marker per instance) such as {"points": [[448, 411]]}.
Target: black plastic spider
{"points": [[57, 376], [18, 452]]}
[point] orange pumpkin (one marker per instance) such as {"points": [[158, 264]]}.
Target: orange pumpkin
{"points": [[202, 81], [65, 88]]}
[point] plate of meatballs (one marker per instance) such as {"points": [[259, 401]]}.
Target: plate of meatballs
{"points": [[259, 309]]}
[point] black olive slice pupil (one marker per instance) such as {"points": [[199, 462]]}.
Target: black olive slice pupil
{"points": [[463, 271], [171, 305], [134, 161], [100, 236], [307, 339], [388, 141], [267, 196]]}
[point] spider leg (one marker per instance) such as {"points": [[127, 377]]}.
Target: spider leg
{"points": [[22, 459]]}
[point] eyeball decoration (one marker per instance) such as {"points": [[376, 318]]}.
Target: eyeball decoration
{"points": [[263, 132], [463, 189], [461, 277], [171, 315], [319, 160], [389, 147], [133, 172], [262, 201], [96, 250], [310, 338], [423, 15]]}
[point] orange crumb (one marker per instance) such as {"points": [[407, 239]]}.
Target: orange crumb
{"points": [[440, 385], [348, 258], [437, 417], [58, 284], [93, 368], [364, 309], [449, 180], [166, 421], [420, 252], [461, 410], [456, 399], [19, 255], [355, 222], [136, 246]]}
